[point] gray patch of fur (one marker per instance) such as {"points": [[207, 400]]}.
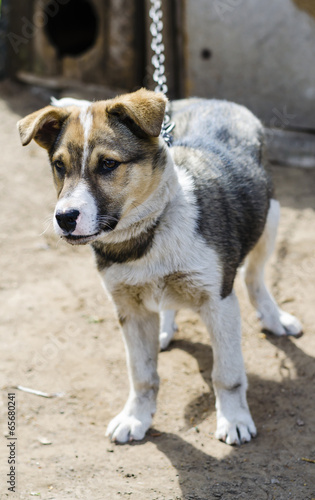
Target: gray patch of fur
{"points": [[221, 145]]}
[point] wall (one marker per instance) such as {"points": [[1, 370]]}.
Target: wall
{"points": [[260, 54]]}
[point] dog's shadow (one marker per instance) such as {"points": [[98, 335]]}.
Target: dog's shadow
{"points": [[199, 408], [278, 410]]}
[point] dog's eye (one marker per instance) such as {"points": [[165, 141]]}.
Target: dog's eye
{"points": [[60, 168], [107, 164]]}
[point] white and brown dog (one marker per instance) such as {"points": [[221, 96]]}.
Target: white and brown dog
{"points": [[169, 228]]}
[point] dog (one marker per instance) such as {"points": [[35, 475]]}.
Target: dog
{"points": [[169, 227]]}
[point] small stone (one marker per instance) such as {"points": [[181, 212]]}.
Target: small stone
{"points": [[300, 422], [45, 441], [274, 481]]}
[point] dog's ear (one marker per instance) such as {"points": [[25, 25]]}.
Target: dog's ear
{"points": [[43, 126], [142, 111]]}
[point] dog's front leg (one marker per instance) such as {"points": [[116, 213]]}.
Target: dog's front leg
{"points": [[234, 422], [141, 336]]}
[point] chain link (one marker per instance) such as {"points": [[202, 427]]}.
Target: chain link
{"points": [[158, 61]]}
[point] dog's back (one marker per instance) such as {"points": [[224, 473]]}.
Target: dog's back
{"points": [[221, 145]]}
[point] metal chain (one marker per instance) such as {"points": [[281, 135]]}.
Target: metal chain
{"points": [[158, 60]]}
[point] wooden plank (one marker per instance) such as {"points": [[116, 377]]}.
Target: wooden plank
{"points": [[71, 88]]}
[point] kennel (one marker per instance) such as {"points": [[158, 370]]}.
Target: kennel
{"points": [[65, 43], [71, 43], [4, 20]]}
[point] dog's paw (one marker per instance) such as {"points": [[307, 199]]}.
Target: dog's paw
{"points": [[238, 431], [282, 324], [291, 324], [125, 428]]}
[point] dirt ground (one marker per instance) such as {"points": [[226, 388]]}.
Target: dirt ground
{"points": [[59, 333]]}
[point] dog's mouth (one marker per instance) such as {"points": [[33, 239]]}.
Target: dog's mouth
{"points": [[83, 239], [80, 239]]}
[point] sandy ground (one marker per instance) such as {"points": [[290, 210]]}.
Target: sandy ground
{"points": [[59, 333]]}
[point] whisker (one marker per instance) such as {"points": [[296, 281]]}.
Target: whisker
{"points": [[106, 225], [49, 218], [48, 223], [104, 218]]}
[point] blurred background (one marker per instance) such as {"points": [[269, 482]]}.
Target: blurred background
{"points": [[260, 54]]}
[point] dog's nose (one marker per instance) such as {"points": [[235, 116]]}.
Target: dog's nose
{"points": [[67, 220]]}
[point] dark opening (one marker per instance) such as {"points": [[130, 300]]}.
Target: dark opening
{"points": [[73, 28], [206, 54]]}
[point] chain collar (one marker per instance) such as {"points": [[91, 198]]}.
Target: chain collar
{"points": [[158, 60]]}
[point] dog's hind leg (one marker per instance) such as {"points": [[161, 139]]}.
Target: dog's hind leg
{"points": [[272, 317], [234, 422], [167, 328], [141, 336]]}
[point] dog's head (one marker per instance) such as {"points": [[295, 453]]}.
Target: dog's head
{"points": [[106, 159]]}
